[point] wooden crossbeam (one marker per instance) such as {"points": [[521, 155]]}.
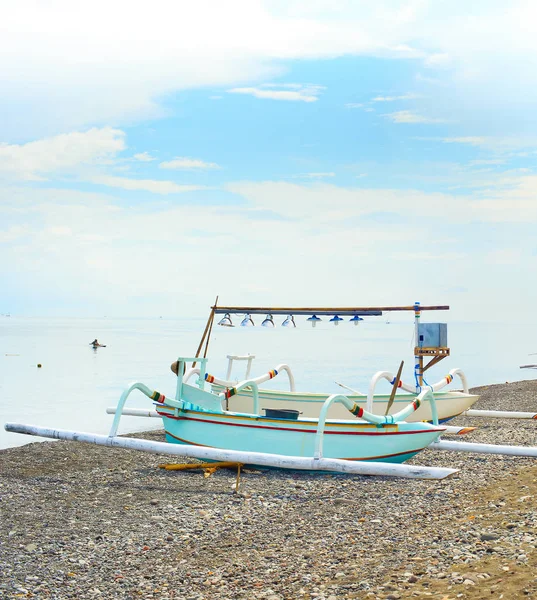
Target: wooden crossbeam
{"points": [[189, 466], [418, 351], [208, 468], [436, 354], [351, 310]]}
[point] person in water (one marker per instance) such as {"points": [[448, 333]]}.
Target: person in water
{"points": [[95, 343]]}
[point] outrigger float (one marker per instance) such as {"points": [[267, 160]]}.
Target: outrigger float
{"points": [[198, 421]]}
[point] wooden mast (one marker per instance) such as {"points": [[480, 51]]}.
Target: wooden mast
{"points": [[208, 329]]}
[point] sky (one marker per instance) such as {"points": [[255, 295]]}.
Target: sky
{"points": [[343, 153]]}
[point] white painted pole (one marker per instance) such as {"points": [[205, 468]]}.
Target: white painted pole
{"points": [[252, 458], [418, 374], [484, 448], [500, 414], [449, 429], [346, 387], [133, 412]]}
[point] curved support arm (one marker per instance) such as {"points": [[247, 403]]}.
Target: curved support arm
{"points": [[449, 378], [190, 373], [152, 394], [243, 384], [426, 393], [368, 416], [389, 377], [287, 369], [435, 387], [319, 436], [261, 379]]}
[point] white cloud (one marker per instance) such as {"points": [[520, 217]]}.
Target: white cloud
{"points": [[507, 200], [428, 256], [307, 93], [438, 60], [407, 116], [315, 175], [60, 231], [121, 74], [499, 144], [38, 159], [395, 98], [193, 164], [128, 261], [50, 236], [505, 256], [489, 161], [472, 140], [14, 233], [364, 107], [85, 157], [290, 86], [144, 157], [56, 73], [148, 185]]}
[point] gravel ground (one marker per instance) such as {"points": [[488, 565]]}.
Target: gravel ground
{"points": [[81, 521]]}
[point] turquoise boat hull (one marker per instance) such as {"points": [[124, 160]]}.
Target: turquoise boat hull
{"points": [[350, 439]]}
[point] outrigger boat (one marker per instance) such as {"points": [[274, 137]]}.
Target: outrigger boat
{"points": [[199, 417], [198, 422], [448, 403]]}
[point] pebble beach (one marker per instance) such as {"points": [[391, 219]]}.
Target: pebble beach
{"points": [[82, 521]]}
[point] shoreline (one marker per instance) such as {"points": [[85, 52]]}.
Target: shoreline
{"points": [[84, 521]]}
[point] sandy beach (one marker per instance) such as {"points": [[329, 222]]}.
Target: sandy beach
{"points": [[82, 521]]}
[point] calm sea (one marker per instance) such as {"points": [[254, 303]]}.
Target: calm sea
{"points": [[76, 384]]}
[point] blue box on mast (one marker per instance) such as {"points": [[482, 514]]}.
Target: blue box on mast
{"points": [[432, 335]]}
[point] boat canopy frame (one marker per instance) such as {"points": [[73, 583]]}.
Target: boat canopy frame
{"points": [[434, 354]]}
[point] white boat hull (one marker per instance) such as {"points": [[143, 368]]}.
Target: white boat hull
{"points": [[449, 404]]}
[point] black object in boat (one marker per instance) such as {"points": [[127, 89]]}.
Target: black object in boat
{"points": [[281, 413]]}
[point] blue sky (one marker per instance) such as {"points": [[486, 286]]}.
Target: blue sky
{"points": [[269, 152]]}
